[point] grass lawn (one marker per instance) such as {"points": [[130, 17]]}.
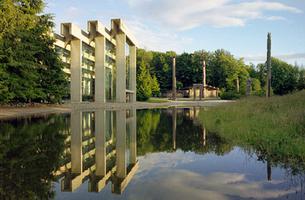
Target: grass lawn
{"points": [[275, 127], [157, 100]]}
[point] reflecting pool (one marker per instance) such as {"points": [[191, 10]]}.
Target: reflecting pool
{"points": [[137, 154]]}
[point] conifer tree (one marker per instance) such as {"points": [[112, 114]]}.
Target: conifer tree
{"points": [[29, 66]]}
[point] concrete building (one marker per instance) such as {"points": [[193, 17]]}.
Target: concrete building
{"points": [[100, 63]]}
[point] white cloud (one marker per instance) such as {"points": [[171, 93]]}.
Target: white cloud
{"points": [[169, 183], [154, 38], [292, 56], [276, 18], [182, 14]]}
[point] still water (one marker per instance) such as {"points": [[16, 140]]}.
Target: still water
{"points": [[129, 154]]}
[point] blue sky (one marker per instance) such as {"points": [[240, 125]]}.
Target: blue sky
{"points": [[187, 25]]}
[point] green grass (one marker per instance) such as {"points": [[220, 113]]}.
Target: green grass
{"points": [[274, 128], [156, 100]]}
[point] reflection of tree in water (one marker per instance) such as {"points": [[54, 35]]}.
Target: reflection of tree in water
{"points": [[155, 134], [29, 153]]}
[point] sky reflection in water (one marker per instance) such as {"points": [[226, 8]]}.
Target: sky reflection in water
{"points": [[189, 163]]}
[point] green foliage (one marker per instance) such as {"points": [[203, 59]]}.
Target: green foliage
{"points": [[223, 69], [154, 133], [301, 80], [144, 90], [30, 151], [229, 95], [29, 66], [273, 127], [155, 87], [284, 77], [147, 82], [256, 87]]}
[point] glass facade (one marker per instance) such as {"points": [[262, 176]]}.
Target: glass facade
{"points": [[108, 84]]}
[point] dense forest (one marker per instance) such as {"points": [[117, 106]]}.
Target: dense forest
{"points": [[223, 70]]}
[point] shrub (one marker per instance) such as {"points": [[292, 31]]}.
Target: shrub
{"points": [[229, 95]]}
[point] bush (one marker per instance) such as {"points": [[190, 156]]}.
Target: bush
{"points": [[229, 95]]}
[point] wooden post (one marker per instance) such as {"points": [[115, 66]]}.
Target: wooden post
{"points": [[237, 85], [248, 91], [268, 93], [174, 79], [204, 78], [200, 92]]}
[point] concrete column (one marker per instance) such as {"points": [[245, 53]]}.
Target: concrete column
{"points": [[100, 45], [133, 72], [100, 143], [120, 68], [76, 71], [121, 144], [133, 137], [76, 142], [194, 90]]}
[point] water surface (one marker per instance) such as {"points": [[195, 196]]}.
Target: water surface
{"points": [[129, 154]]}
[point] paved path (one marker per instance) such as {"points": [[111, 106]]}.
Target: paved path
{"points": [[66, 108]]}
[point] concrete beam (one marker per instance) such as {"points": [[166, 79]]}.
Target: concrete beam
{"points": [[96, 28], [117, 25]]}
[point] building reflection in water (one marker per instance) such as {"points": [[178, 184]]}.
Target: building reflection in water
{"points": [[100, 149]]}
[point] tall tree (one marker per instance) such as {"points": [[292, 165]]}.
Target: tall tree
{"points": [[30, 68], [143, 83]]}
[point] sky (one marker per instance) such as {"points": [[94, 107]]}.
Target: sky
{"points": [[239, 26]]}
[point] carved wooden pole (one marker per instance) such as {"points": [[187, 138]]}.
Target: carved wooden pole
{"points": [[203, 78], [174, 79], [268, 93]]}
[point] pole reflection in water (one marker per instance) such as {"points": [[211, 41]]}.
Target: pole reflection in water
{"points": [[174, 122], [101, 149]]}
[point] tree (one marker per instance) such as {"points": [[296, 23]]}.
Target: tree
{"points": [[256, 87], [155, 87], [143, 83], [284, 77], [31, 151], [30, 68], [301, 79]]}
